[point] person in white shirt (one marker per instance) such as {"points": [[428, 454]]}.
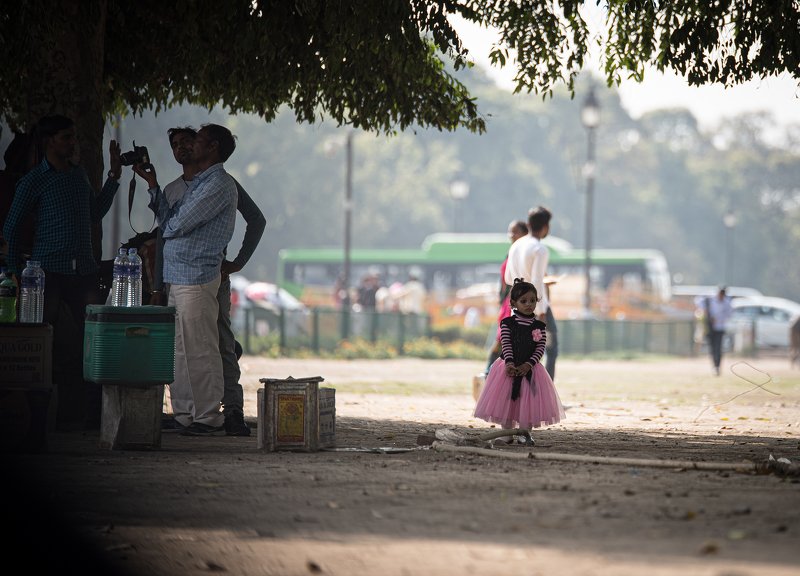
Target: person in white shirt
{"points": [[527, 259], [718, 310], [412, 297]]}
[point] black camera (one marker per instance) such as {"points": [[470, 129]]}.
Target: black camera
{"points": [[138, 155]]}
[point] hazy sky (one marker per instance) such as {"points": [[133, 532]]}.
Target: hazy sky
{"points": [[709, 104]]}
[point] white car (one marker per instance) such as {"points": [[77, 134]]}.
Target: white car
{"points": [[265, 303], [772, 319]]}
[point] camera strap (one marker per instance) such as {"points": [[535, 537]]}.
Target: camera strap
{"points": [[131, 191]]}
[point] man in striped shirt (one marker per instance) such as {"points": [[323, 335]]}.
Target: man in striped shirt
{"points": [[59, 195], [196, 230]]}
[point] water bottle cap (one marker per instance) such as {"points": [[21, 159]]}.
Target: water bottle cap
{"points": [[33, 263], [122, 251], [131, 250]]}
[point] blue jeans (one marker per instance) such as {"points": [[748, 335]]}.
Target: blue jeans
{"points": [[715, 344]]}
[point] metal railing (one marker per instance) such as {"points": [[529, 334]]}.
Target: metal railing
{"points": [[323, 329], [319, 329], [669, 337]]}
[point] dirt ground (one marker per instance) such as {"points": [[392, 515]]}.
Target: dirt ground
{"points": [[203, 505]]}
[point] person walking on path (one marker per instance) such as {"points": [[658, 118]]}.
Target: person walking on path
{"points": [[718, 310], [519, 392]]}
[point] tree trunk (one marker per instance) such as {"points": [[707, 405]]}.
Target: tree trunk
{"points": [[66, 77]]}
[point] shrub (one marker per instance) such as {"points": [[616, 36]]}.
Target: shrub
{"points": [[455, 332]]}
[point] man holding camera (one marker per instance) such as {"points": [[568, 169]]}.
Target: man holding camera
{"points": [[58, 193], [196, 231], [181, 141]]}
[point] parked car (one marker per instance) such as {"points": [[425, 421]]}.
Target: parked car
{"points": [[265, 302], [687, 298], [772, 318]]}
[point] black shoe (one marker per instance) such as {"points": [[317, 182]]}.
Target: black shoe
{"points": [[235, 425], [169, 424], [200, 429], [527, 439]]}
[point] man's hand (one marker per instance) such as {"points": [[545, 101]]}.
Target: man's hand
{"points": [[115, 170], [229, 267], [148, 173]]}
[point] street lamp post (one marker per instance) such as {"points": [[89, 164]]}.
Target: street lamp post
{"points": [[459, 190], [590, 117], [730, 220], [330, 147], [348, 216]]}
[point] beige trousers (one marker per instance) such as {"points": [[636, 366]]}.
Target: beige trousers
{"points": [[196, 393]]}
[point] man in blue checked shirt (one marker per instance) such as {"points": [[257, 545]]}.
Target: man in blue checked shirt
{"points": [[58, 193], [181, 140], [196, 231]]}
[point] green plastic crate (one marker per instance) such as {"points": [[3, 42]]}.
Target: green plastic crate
{"points": [[129, 345]]}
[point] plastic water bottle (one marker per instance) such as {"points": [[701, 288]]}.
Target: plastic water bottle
{"points": [[135, 278], [31, 308], [8, 298], [119, 285]]}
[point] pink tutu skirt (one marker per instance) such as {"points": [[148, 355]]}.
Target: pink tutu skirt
{"points": [[538, 403]]}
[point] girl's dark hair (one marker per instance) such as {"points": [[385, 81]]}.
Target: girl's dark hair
{"points": [[520, 288]]}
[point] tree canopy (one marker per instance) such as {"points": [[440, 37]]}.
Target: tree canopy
{"points": [[380, 66], [376, 65], [706, 41]]}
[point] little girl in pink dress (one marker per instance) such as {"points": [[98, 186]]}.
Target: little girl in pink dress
{"points": [[519, 392]]}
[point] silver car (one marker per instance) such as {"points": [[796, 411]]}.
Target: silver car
{"points": [[771, 319]]}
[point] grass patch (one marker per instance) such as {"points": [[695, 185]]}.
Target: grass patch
{"points": [[360, 349], [398, 388]]}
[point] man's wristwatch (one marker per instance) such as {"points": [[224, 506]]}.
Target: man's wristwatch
{"points": [[111, 175]]}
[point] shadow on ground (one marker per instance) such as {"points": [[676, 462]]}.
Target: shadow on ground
{"points": [[80, 507]]}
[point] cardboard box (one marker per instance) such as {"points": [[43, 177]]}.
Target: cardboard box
{"points": [[478, 382], [295, 414], [327, 417], [26, 352], [26, 383]]}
